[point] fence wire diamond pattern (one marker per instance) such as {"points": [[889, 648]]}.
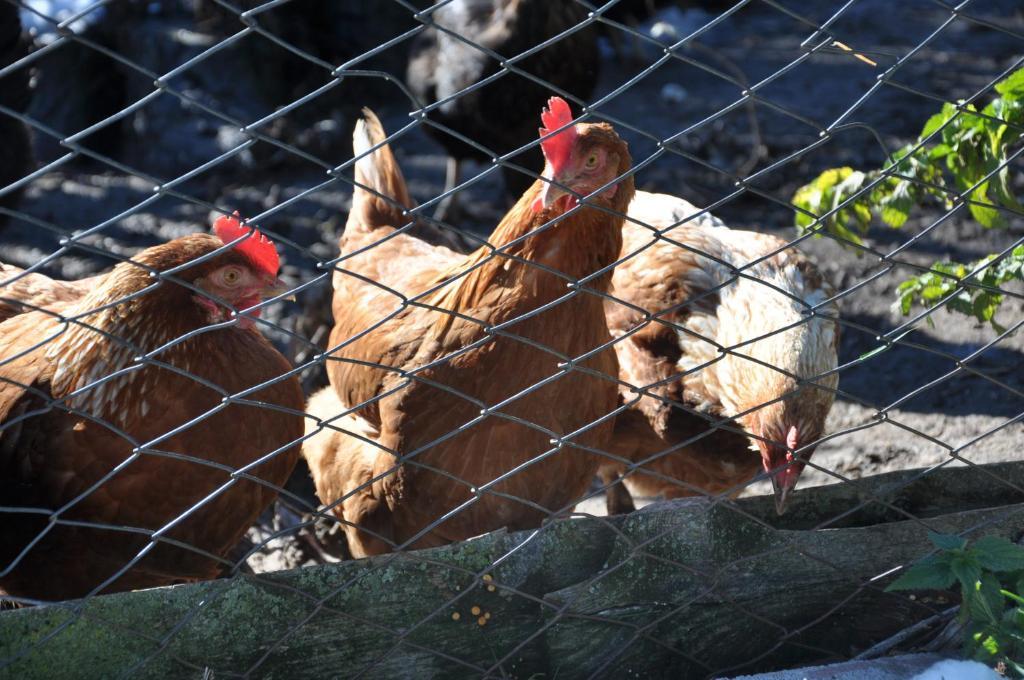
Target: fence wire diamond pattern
{"points": [[428, 463]]}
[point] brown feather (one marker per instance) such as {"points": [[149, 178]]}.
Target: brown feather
{"points": [[21, 292], [675, 356], [59, 450], [461, 298]]}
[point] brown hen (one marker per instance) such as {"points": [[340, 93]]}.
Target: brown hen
{"points": [[773, 388], [100, 448], [22, 291], [459, 395]]}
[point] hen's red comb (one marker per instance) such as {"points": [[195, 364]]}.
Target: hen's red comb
{"points": [[256, 247], [556, 149]]}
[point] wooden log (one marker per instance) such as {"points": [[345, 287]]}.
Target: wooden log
{"points": [[688, 588], [349, 616], [722, 593]]}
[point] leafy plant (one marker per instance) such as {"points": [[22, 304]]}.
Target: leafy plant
{"points": [[960, 157], [933, 287], [991, 578]]}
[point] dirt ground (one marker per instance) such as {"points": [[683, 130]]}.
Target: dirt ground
{"points": [[972, 415]]}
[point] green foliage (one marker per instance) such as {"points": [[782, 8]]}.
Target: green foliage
{"points": [[946, 278], [991, 578], [825, 193], [953, 161]]}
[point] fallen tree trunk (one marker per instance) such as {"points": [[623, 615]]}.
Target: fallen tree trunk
{"points": [[687, 588]]}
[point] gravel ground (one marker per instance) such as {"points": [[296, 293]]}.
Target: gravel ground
{"points": [[972, 414]]}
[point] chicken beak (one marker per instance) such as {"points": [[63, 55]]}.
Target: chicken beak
{"points": [[548, 195], [550, 192], [787, 466], [277, 288], [781, 495], [783, 483]]}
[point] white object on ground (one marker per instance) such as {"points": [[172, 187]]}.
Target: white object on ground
{"points": [[958, 670]]}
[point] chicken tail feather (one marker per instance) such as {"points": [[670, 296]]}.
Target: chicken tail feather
{"points": [[380, 196]]}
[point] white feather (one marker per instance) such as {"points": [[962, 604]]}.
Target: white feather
{"points": [[366, 165]]}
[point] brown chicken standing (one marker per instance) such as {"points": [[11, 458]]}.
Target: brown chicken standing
{"points": [[469, 383], [68, 424], [778, 381]]}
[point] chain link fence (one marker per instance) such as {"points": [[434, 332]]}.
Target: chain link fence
{"points": [[429, 463]]}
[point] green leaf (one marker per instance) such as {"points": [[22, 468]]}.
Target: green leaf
{"points": [[930, 287], [980, 210], [947, 541], [987, 645], [966, 570], [896, 207], [908, 285], [974, 636], [961, 302], [825, 194], [1003, 190], [850, 180], [984, 598], [939, 151], [906, 303], [937, 120], [931, 573], [986, 304], [830, 178], [843, 233], [863, 214], [1019, 585], [998, 554], [1012, 86], [958, 147]]}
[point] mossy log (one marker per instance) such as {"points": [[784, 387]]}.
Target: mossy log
{"points": [[682, 589]]}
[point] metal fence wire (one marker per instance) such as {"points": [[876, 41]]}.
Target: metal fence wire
{"points": [[427, 464]]}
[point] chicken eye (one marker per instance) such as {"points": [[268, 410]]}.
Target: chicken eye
{"points": [[231, 276], [591, 162]]}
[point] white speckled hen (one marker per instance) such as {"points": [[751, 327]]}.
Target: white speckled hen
{"points": [[777, 380]]}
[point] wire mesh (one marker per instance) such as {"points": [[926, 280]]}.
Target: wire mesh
{"points": [[135, 124]]}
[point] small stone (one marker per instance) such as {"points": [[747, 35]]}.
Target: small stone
{"points": [[664, 32], [673, 93]]}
